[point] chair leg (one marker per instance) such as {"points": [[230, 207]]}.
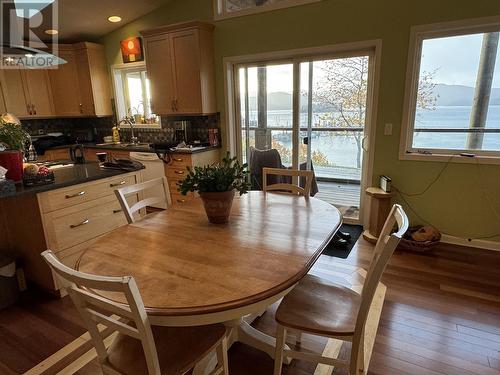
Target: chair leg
{"points": [[298, 338], [222, 360], [280, 345]]}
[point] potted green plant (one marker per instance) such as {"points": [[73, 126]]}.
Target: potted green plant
{"points": [[217, 185], [13, 139]]}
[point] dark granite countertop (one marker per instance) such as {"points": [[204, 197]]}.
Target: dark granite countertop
{"points": [[70, 175], [139, 148]]}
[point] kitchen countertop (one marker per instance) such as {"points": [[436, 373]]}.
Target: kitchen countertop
{"points": [[73, 174], [139, 148]]}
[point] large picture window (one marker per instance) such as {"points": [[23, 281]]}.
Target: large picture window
{"points": [[453, 92], [235, 8]]}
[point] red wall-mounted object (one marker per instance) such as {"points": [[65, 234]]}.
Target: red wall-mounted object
{"points": [[13, 162], [132, 50]]}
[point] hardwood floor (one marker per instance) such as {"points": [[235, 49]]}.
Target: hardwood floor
{"points": [[441, 316]]}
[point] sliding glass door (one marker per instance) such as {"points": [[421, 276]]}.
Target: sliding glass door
{"points": [[313, 112]]}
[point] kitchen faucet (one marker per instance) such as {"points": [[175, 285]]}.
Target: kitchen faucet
{"points": [[130, 121]]}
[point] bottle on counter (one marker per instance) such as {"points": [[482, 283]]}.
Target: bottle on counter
{"points": [[116, 134]]}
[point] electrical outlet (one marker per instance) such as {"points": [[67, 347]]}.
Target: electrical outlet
{"points": [[388, 129]]}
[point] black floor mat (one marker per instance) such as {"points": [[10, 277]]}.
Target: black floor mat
{"points": [[344, 251]]}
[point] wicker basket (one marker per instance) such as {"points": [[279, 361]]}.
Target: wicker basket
{"points": [[408, 244]]}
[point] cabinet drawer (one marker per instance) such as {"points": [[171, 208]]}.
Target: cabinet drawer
{"points": [[70, 196], [176, 173], [75, 225], [180, 161]]}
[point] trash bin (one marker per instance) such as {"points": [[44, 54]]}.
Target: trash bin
{"points": [[9, 289]]}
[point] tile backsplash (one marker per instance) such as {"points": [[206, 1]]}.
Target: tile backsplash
{"points": [[76, 129], [94, 129]]}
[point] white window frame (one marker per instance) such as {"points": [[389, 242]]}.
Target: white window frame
{"points": [[120, 90], [220, 12], [417, 35]]}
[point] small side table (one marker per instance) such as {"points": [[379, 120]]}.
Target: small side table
{"points": [[380, 206]]}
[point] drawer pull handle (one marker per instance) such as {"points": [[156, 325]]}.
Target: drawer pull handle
{"points": [[181, 201], [117, 184], [179, 172], [79, 194], [116, 211], [178, 159], [84, 222]]}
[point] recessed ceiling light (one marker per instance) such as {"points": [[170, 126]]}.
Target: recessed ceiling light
{"points": [[114, 19], [51, 32]]}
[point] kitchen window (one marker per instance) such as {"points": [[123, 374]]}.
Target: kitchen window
{"points": [[452, 103], [133, 94], [235, 8]]}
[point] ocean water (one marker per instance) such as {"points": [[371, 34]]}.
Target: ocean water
{"points": [[454, 117], [341, 148]]}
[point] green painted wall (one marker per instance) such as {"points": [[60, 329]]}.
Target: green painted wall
{"points": [[459, 203]]}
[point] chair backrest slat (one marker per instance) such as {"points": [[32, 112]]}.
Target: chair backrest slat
{"points": [[129, 319], [137, 188], [288, 187], [113, 323], [386, 244]]}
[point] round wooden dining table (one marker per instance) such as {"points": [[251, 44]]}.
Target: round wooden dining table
{"points": [[191, 272]]}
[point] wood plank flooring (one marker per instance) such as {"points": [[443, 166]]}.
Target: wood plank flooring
{"points": [[441, 316]]}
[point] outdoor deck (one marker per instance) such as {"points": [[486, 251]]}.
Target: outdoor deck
{"points": [[344, 196]]}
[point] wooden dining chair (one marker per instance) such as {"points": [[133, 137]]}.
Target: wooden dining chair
{"points": [[130, 210], [139, 348], [288, 187], [322, 308]]}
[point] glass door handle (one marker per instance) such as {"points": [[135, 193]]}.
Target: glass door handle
{"points": [[305, 140], [363, 144]]}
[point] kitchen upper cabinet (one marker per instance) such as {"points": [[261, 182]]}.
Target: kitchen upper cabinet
{"points": [[27, 92], [93, 79], [81, 86], [15, 95], [3, 107], [65, 85], [180, 66], [78, 88], [159, 70], [40, 92]]}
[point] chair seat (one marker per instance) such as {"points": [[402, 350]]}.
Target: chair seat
{"points": [[178, 349], [319, 306]]}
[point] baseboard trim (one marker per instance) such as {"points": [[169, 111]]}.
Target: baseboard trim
{"points": [[481, 244]]}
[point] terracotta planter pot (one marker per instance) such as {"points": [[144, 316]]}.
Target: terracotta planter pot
{"points": [[13, 162], [218, 205]]}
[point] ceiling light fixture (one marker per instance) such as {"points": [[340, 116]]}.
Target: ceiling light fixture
{"points": [[51, 32], [114, 19]]}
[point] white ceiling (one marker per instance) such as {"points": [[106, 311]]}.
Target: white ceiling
{"points": [[87, 20]]}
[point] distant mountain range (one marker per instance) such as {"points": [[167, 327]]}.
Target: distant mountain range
{"points": [[461, 95], [447, 95]]}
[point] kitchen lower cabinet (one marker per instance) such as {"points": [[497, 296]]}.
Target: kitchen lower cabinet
{"points": [[65, 220], [177, 171], [55, 154], [91, 153]]}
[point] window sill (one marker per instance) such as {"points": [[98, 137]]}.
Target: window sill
{"points": [[455, 158], [142, 126]]}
